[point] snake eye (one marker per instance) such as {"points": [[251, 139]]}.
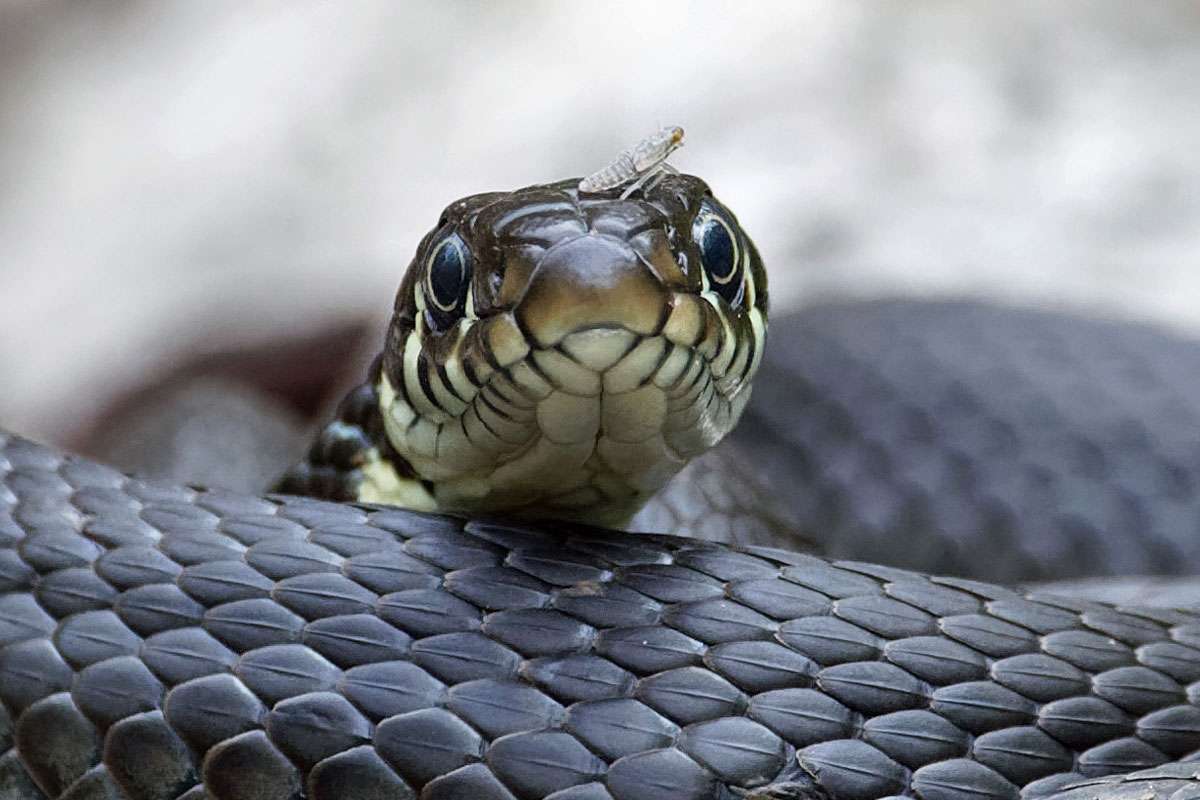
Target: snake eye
{"points": [[446, 279], [719, 254]]}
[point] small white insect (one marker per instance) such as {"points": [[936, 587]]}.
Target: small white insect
{"points": [[645, 161]]}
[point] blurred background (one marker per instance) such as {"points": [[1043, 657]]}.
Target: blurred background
{"points": [[217, 200]]}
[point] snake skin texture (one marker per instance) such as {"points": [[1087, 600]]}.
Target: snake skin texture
{"points": [[158, 641], [978, 440]]}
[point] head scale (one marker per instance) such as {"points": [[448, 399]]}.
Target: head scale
{"points": [[562, 354]]}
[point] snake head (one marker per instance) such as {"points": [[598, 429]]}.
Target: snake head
{"points": [[564, 355]]}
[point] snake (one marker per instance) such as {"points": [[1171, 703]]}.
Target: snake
{"points": [[437, 603]]}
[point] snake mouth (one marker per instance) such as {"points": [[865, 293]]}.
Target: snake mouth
{"points": [[588, 426]]}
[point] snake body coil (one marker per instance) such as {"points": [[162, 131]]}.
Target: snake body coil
{"points": [[158, 641]]}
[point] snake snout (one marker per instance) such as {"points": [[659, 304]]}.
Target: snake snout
{"points": [[594, 281]]}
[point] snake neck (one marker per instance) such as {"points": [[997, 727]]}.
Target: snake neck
{"points": [[351, 458]]}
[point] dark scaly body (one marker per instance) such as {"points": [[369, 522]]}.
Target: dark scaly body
{"points": [[158, 641]]}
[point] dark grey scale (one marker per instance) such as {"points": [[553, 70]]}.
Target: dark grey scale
{"points": [[250, 766], [1022, 754], [1037, 617], [660, 773], [941, 601], [1119, 755], [619, 727], [948, 780], [937, 660], [147, 759], [497, 708], [779, 599], [59, 549], [319, 513], [181, 655], [56, 742], [421, 745], [608, 605], [189, 551], [557, 568], [827, 579], [31, 670], [73, 591], [22, 618], [649, 649], [757, 666], [1174, 730], [152, 609], [830, 641], [133, 565], [982, 706], [352, 539], [990, 636], [1040, 677], [15, 574], [277, 559], [717, 621], [579, 677], [95, 636], [691, 694], [453, 551], [585, 791], [1137, 690], [250, 529], [359, 773], [227, 505], [873, 687], [312, 727], [322, 594], [886, 617], [458, 657], [669, 583], [916, 737], [739, 751], [1087, 650], [617, 554], [102, 501], [178, 515], [390, 688], [149, 492], [280, 671], [113, 690], [853, 769], [213, 583], [1080, 722], [356, 639], [473, 780], [725, 565], [390, 571], [404, 524], [428, 612], [537, 632], [536, 764], [245, 625], [497, 588], [95, 784], [212, 709], [120, 528]]}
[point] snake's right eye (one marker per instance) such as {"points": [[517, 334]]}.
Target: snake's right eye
{"points": [[446, 280]]}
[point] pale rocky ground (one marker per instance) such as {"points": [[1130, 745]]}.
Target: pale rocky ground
{"points": [[183, 176]]}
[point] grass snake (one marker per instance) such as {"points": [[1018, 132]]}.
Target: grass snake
{"points": [[560, 355]]}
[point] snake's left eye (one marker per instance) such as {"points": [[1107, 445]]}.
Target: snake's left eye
{"points": [[719, 253], [446, 280]]}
